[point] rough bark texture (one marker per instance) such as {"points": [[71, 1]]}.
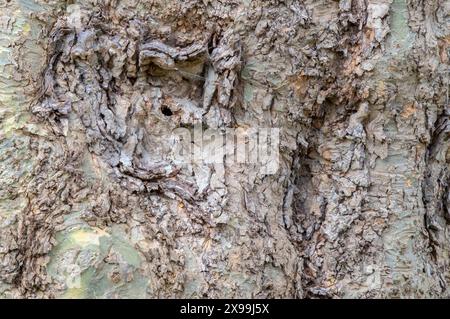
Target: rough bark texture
{"points": [[91, 206]]}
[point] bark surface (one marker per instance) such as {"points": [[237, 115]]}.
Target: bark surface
{"points": [[92, 204]]}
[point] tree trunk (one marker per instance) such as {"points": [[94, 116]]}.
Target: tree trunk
{"points": [[101, 197]]}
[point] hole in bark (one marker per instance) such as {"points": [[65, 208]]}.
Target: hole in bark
{"points": [[132, 80], [166, 110]]}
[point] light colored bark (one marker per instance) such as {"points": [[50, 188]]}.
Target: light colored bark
{"points": [[92, 206]]}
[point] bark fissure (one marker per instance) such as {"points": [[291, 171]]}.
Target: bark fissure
{"points": [[93, 202]]}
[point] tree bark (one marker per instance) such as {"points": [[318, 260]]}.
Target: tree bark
{"points": [[93, 204]]}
